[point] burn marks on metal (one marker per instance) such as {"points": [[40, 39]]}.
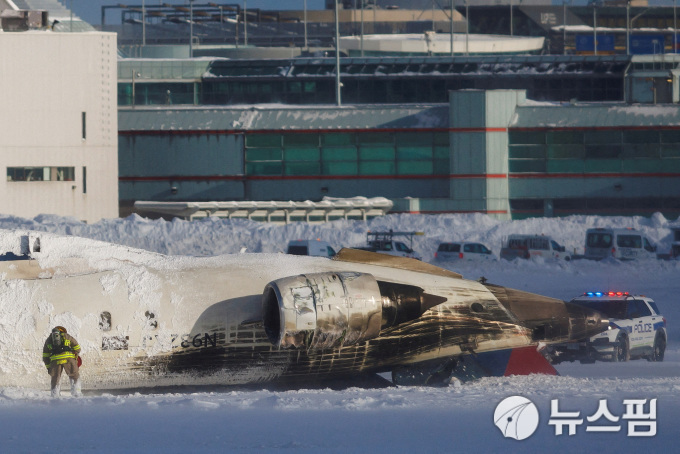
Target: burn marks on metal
{"points": [[413, 325], [434, 330]]}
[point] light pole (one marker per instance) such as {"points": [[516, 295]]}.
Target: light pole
{"points": [[636, 17], [245, 23], [362, 28], [511, 19], [143, 24], [433, 24], [467, 28], [628, 27], [451, 40], [191, 28], [338, 98], [564, 27], [595, 27], [305, 21], [675, 28]]}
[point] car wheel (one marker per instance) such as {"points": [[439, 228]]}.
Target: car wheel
{"points": [[621, 350], [659, 348], [587, 360]]}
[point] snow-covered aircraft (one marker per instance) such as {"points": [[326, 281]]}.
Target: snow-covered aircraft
{"points": [[146, 319]]}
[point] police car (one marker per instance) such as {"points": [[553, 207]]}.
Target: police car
{"points": [[636, 330]]}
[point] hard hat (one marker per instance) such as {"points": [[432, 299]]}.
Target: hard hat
{"points": [[59, 329]]}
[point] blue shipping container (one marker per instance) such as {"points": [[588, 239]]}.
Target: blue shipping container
{"points": [[647, 44], [605, 43]]}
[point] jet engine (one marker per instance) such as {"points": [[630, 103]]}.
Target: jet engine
{"points": [[322, 310]]}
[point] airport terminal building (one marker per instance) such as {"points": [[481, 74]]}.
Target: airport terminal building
{"points": [[487, 148], [507, 135]]}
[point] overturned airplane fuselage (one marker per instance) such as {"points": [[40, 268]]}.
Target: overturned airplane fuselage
{"points": [[144, 319]]}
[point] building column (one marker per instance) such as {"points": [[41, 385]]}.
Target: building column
{"points": [[479, 122]]}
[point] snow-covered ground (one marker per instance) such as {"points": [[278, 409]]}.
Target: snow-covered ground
{"points": [[402, 419]]}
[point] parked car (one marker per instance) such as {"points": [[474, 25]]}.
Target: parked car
{"points": [[462, 251], [530, 246], [310, 247], [636, 330], [623, 244]]}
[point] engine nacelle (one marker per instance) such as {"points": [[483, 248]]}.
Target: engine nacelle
{"points": [[322, 310]]}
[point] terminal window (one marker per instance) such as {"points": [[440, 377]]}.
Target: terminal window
{"points": [[594, 150], [347, 153], [41, 173]]}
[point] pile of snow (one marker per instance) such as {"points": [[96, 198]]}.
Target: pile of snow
{"points": [[215, 236]]}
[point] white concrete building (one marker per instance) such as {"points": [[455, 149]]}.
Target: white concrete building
{"points": [[58, 124]]}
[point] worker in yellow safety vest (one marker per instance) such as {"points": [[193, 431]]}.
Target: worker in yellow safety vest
{"points": [[61, 352]]}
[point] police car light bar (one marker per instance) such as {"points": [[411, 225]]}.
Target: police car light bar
{"points": [[606, 294]]}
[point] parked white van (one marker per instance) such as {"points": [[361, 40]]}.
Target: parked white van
{"points": [[530, 246], [463, 251], [623, 244], [310, 247]]}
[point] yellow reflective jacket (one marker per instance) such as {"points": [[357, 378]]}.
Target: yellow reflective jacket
{"points": [[69, 348]]}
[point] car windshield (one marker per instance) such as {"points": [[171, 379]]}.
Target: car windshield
{"points": [[612, 309]]}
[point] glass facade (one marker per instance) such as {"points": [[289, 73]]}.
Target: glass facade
{"points": [[594, 151], [155, 93], [385, 80], [591, 152], [349, 154]]}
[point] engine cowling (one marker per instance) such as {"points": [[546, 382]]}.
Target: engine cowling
{"points": [[322, 310]]}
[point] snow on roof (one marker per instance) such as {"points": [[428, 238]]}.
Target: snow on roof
{"points": [[281, 117], [584, 115]]}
